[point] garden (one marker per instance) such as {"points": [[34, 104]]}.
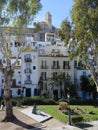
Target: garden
{"points": [[80, 110], [79, 113]]}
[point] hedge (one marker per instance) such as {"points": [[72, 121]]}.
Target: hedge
{"points": [[77, 119]]}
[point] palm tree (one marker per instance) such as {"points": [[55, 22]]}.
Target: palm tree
{"points": [[68, 86], [58, 80], [63, 80]]}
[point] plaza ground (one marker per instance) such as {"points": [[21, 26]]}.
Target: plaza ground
{"points": [[24, 122]]}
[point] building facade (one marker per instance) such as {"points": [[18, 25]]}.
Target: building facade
{"points": [[43, 55]]}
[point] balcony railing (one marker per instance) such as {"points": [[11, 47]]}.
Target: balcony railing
{"points": [[44, 67], [28, 71], [44, 78], [28, 60], [66, 67], [55, 67], [28, 81]]}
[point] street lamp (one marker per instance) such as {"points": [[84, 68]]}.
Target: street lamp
{"points": [[69, 114]]}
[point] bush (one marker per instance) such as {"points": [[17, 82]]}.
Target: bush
{"points": [[18, 103], [27, 101], [63, 105], [37, 100], [14, 102], [49, 102], [77, 119], [79, 101]]}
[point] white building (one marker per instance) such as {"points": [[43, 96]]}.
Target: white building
{"points": [[29, 73]]}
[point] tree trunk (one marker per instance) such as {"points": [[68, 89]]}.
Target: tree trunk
{"points": [[8, 106], [7, 94]]}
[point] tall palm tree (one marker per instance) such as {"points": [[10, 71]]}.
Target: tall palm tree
{"points": [[58, 80], [63, 81]]}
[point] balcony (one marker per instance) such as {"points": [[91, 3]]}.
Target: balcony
{"points": [[28, 71], [28, 81], [28, 60], [44, 78], [44, 67], [66, 67], [55, 67]]}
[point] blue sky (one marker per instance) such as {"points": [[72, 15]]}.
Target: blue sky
{"points": [[59, 9]]}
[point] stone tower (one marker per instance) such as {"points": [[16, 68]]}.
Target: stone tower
{"points": [[48, 18]]}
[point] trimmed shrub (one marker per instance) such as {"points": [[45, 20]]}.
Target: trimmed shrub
{"points": [[14, 102], [37, 100], [77, 119], [49, 102], [27, 101], [79, 101]]}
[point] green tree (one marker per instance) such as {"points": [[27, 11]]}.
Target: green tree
{"points": [[65, 31], [18, 13], [57, 80], [69, 88], [84, 34], [84, 84], [88, 85], [37, 27], [84, 18], [63, 81], [40, 86], [92, 87]]}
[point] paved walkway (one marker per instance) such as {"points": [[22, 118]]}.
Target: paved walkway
{"points": [[23, 122], [86, 126]]}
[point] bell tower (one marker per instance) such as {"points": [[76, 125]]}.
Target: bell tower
{"points": [[48, 18]]}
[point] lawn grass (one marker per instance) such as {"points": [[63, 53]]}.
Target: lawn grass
{"points": [[53, 111], [89, 117]]}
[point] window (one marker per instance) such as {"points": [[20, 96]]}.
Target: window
{"points": [[2, 80], [65, 64], [84, 73], [19, 82], [28, 77], [75, 63], [43, 75], [17, 44], [18, 63], [55, 64], [28, 66], [0, 61], [27, 56], [34, 67], [11, 44], [18, 92], [44, 63]]}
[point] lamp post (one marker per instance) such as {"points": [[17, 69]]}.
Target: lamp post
{"points": [[69, 114]]}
